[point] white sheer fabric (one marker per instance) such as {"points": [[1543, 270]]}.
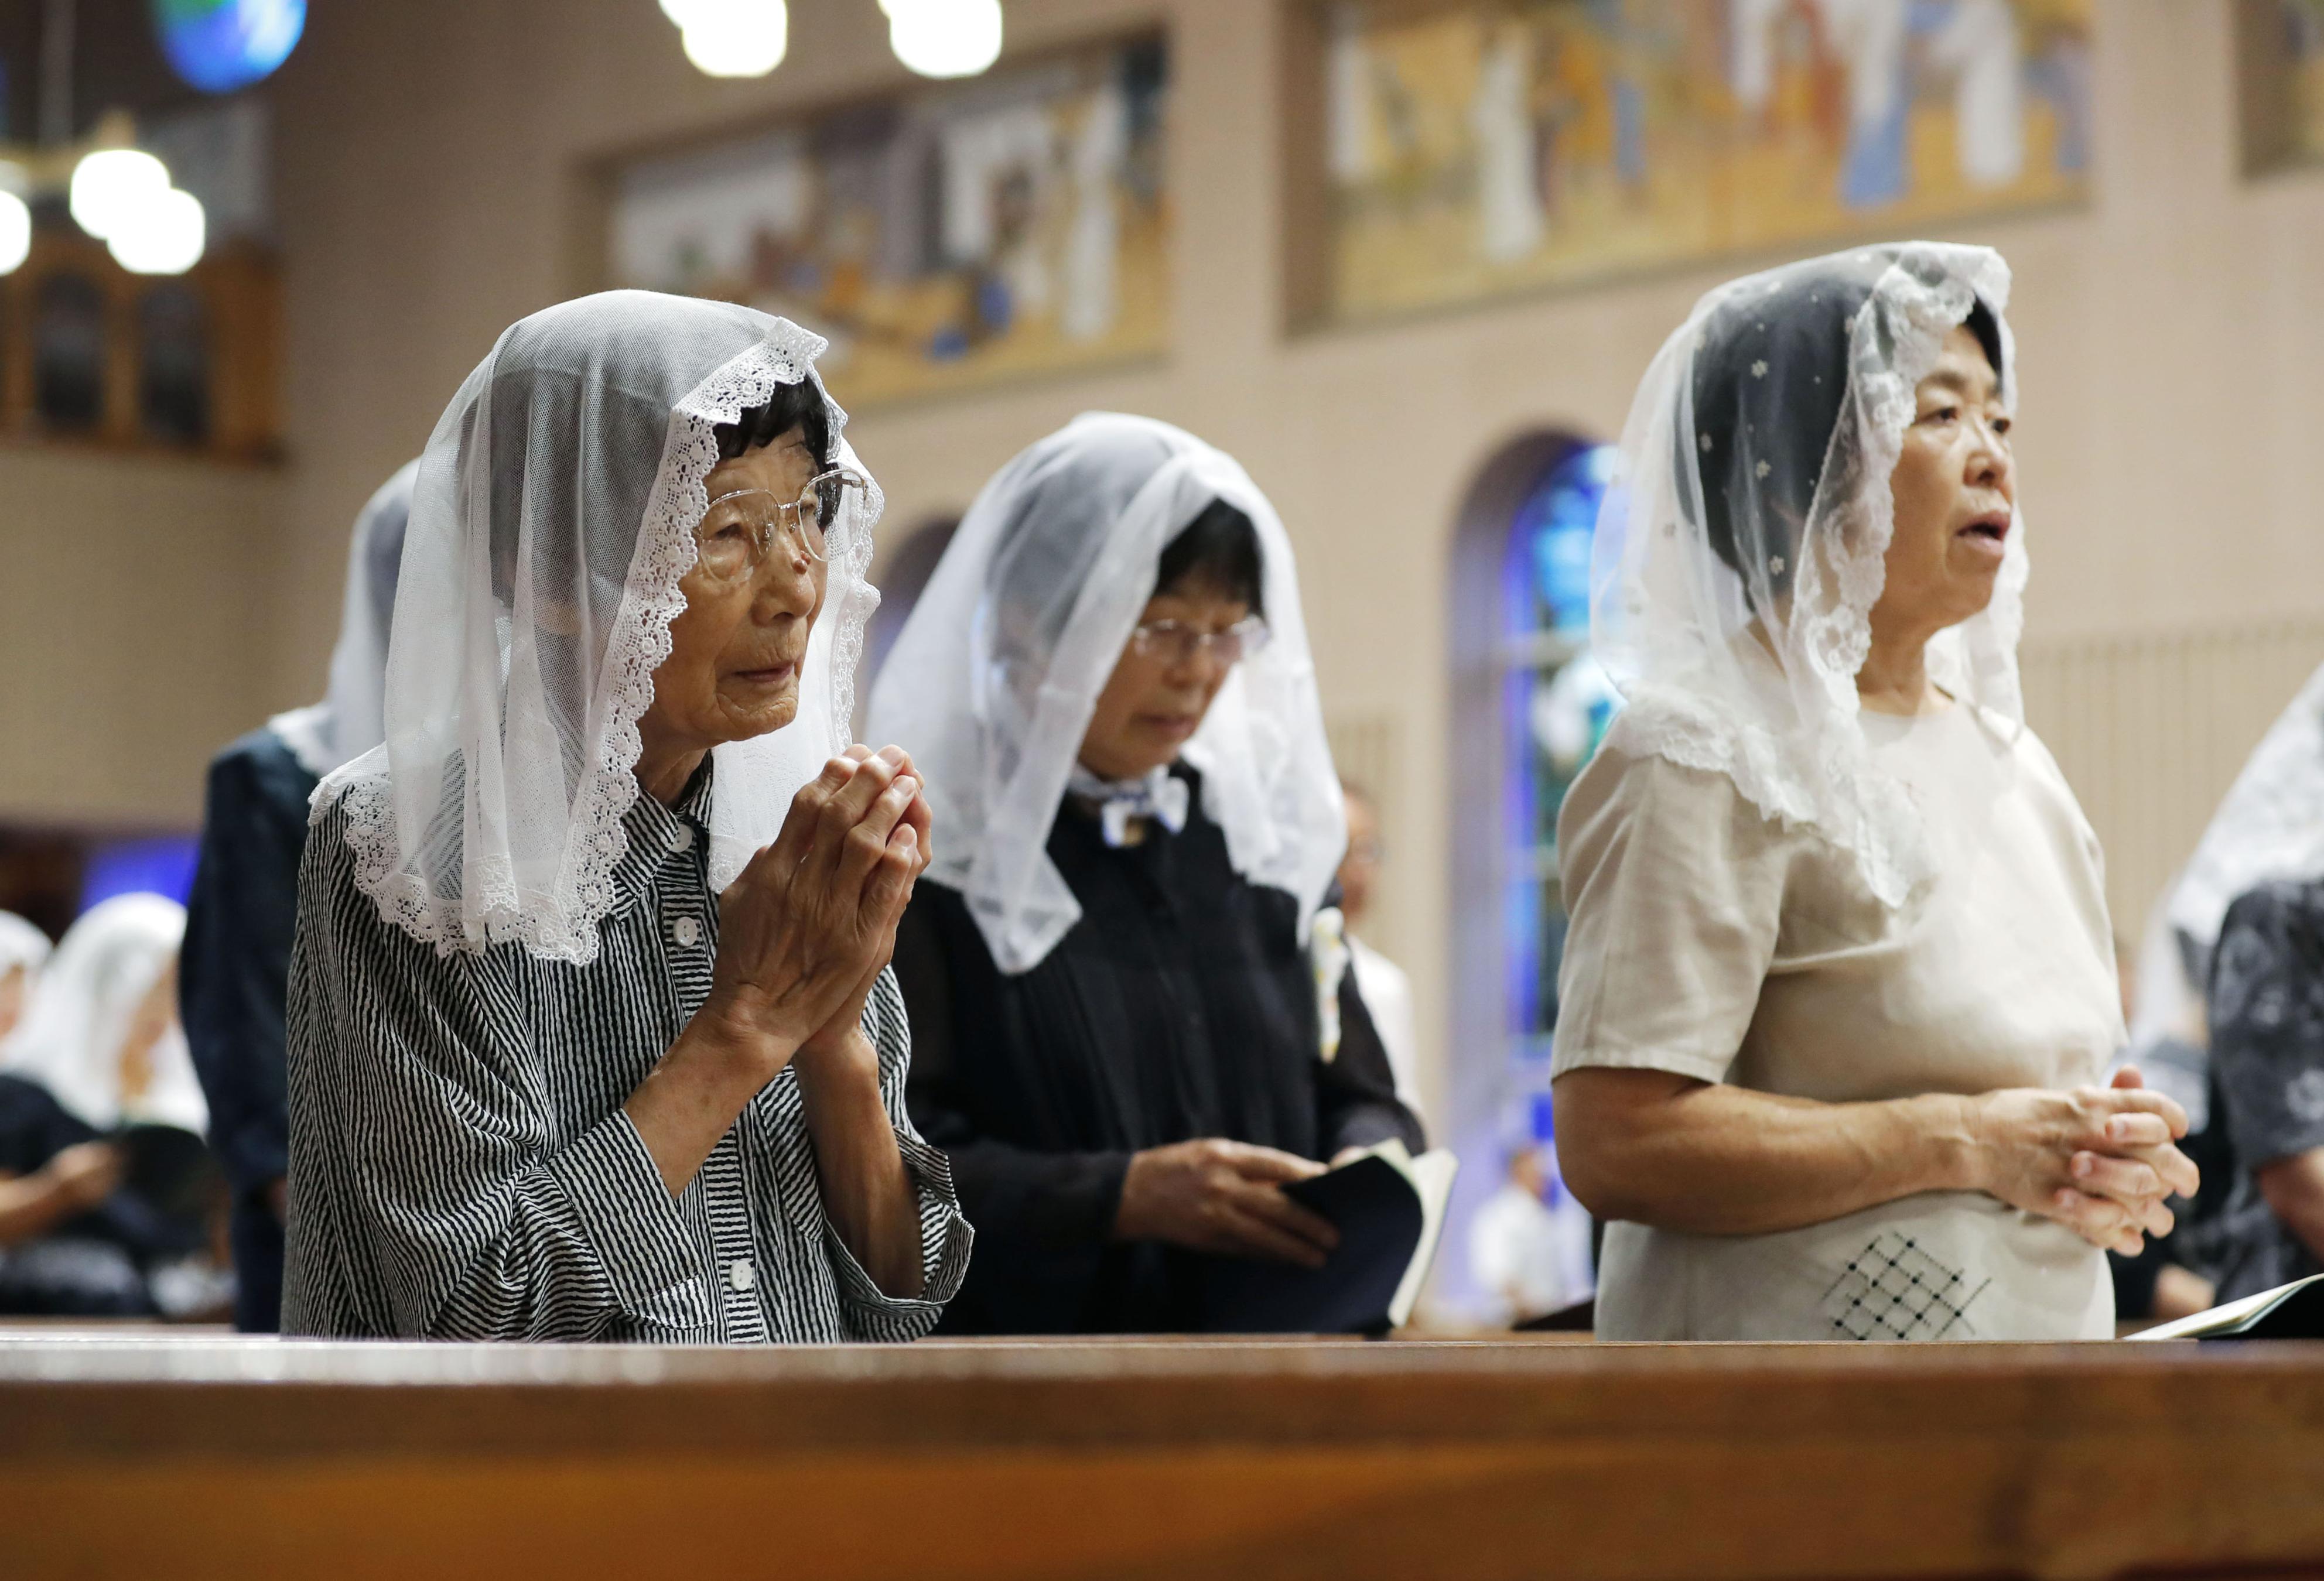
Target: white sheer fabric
{"points": [[991, 682], [551, 519], [2269, 827], [21, 944], [1743, 662], [348, 722], [71, 1038]]}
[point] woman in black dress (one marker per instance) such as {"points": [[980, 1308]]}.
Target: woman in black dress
{"points": [[1121, 1038]]}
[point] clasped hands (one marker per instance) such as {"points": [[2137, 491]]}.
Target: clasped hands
{"points": [[2101, 1160], [807, 929]]}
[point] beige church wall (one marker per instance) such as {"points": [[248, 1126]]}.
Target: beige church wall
{"points": [[135, 598], [434, 163]]}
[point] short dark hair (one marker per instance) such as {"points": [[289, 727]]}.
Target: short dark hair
{"points": [[1218, 550], [792, 406], [1783, 424]]}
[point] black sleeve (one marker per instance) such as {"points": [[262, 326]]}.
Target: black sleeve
{"points": [[1357, 1090], [1043, 1220], [33, 1127], [235, 966], [2267, 1024]]}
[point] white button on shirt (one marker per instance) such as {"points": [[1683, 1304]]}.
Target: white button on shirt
{"points": [[686, 931], [681, 838], [741, 1275]]}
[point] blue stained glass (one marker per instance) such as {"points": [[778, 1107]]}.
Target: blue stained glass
{"points": [[159, 865], [1553, 534]]}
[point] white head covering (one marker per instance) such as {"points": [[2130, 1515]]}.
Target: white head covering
{"points": [[21, 944], [1771, 421], [552, 520], [71, 1036], [348, 722], [991, 683], [2269, 827]]}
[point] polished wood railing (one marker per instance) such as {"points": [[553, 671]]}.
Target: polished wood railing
{"points": [[194, 1458]]}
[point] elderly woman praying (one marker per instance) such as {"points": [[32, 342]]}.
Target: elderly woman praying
{"points": [[590, 1030], [1840, 985]]}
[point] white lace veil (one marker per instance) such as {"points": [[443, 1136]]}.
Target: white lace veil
{"points": [[1740, 549], [72, 1032], [991, 682], [552, 520], [348, 722]]}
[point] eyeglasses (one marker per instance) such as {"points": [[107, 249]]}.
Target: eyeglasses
{"points": [[1175, 643], [739, 529]]}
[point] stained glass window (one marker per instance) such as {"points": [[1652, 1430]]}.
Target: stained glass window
{"points": [[1555, 705]]}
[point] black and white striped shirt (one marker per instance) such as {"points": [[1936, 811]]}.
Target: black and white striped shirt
{"points": [[461, 1167]]}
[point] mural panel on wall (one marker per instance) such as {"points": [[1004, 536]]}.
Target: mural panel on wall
{"points": [[2281, 82], [942, 238], [1478, 146]]}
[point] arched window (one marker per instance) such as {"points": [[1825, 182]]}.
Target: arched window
{"points": [[68, 354], [173, 365], [1554, 706], [1529, 708]]}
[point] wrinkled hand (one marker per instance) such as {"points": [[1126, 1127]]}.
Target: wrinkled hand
{"points": [[2098, 1160], [837, 1037], [85, 1175], [1225, 1197], [811, 920]]}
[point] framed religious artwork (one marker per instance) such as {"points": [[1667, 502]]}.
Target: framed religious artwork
{"points": [[2280, 83], [942, 237], [1448, 151]]}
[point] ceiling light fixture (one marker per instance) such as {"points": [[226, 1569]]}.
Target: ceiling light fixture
{"points": [[944, 38], [164, 236], [15, 228], [110, 185], [222, 45], [732, 38]]}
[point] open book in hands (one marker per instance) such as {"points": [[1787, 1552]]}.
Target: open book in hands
{"points": [[1389, 1207], [2288, 1311]]}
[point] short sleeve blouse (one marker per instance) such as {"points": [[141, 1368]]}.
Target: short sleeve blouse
{"points": [[1711, 940]]}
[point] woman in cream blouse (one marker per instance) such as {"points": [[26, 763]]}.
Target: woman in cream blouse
{"points": [[1840, 985]]}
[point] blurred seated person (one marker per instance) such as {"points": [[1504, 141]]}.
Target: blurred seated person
{"points": [[2247, 913], [1119, 1038], [1387, 991], [234, 973], [94, 1078], [1839, 991], [1529, 1243], [69, 1178]]}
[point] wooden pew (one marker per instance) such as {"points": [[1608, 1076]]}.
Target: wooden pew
{"points": [[144, 1454]]}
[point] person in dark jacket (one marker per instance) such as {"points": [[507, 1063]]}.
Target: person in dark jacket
{"points": [[236, 963], [1127, 1034]]}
